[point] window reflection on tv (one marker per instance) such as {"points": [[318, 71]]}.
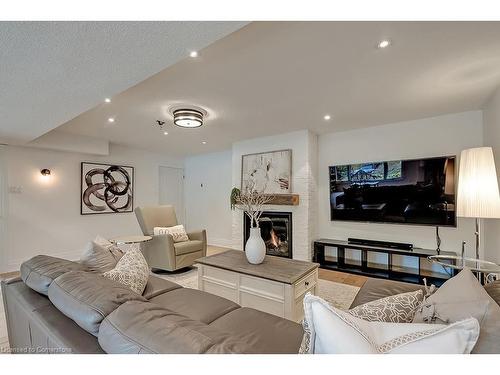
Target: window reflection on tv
{"points": [[420, 191]]}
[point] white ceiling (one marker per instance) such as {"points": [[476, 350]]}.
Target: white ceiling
{"points": [[274, 77], [51, 72]]}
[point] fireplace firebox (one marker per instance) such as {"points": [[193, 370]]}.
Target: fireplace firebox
{"points": [[276, 231]]}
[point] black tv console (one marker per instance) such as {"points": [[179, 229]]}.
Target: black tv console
{"points": [[386, 270]]}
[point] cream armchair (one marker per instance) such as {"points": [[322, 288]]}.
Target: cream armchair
{"points": [[161, 252]]}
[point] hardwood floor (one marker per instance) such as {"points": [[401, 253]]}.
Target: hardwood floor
{"points": [[335, 276]]}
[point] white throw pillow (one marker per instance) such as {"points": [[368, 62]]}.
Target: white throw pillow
{"points": [[177, 232], [132, 270], [333, 331]]}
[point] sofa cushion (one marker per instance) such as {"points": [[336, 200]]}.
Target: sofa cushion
{"points": [[157, 285], [374, 289], [187, 247], [132, 270], [39, 271], [333, 331], [462, 297], [143, 327], [99, 258], [263, 332], [195, 304], [88, 298], [177, 232]]}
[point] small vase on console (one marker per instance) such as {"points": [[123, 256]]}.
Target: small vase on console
{"points": [[255, 248]]}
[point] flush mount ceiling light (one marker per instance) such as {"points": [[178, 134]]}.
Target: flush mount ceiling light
{"points": [[107, 100], [384, 44], [327, 117], [193, 54], [111, 119], [188, 118]]}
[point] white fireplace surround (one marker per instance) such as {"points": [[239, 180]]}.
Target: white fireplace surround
{"points": [[304, 176]]}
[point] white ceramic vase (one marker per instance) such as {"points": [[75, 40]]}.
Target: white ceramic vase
{"points": [[255, 248]]}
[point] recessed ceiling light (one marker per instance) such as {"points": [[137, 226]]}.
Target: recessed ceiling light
{"points": [[327, 117], [166, 133], [384, 43], [111, 119], [193, 54], [107, 100], [204, 142]]}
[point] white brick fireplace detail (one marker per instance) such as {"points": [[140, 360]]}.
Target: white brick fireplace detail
{"points": [[304, 178]]}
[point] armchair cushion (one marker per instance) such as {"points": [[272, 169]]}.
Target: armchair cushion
{"points": [[187, 247]]}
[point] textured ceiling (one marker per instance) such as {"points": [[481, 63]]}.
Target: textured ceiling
{"points": [[274, 77], [51, 72]]}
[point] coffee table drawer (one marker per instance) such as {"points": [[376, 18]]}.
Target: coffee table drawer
{"points": [[306, 283]]}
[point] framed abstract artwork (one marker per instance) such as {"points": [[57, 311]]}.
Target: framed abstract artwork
{"points": [[268, 172], [106, 189]]}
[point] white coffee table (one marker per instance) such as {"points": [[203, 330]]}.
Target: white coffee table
{"points": [[277, 286]]}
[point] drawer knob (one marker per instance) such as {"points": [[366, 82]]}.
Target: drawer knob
{"points": [[307, 283]]}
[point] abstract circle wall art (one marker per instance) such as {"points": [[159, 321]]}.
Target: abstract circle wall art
{"points": [[106, 188]]}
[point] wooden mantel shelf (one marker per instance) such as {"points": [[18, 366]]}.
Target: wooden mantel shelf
{"points": [[285, 200]]}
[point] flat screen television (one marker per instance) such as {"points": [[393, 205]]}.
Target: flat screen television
{"points": [[420, 192]]}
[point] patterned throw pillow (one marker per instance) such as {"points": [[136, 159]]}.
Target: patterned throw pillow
{"points": [[399, 308], [177, 232], [132, 270]]}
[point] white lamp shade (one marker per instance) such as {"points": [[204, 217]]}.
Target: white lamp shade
{"points": [[478, 195]]}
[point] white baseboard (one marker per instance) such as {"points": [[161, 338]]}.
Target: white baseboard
{"points": [[220, 242]]}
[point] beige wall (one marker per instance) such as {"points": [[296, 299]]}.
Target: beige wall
{"points": [[45, 217], [437, 136]]}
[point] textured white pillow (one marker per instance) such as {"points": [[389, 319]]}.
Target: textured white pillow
{"points": [[132, 270], [333, 331], [177, 232]]}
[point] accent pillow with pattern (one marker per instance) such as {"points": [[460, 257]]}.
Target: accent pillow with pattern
{"points": [[177, 232], [399, 308], [132, 270]]}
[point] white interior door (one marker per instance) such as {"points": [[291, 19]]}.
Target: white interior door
{"points": [[172, 190]]}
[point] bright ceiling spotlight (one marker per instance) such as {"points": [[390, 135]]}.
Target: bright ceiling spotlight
{"points": [[193, 54], [384, 43]]}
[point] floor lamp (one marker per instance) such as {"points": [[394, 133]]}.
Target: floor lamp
{"points": [[478, 195]]}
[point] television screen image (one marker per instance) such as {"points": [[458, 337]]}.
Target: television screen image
{"points": [[420, 192]]}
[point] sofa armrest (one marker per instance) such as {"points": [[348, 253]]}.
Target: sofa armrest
{"points": [[200, 235], [160, 252]]}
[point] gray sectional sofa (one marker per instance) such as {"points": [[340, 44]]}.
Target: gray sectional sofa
{"points": [[57, 306]]}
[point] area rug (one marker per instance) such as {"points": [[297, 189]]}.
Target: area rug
{"points": [[337, 294]]}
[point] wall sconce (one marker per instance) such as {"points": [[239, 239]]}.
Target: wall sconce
{"points": [[45, 172]]}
